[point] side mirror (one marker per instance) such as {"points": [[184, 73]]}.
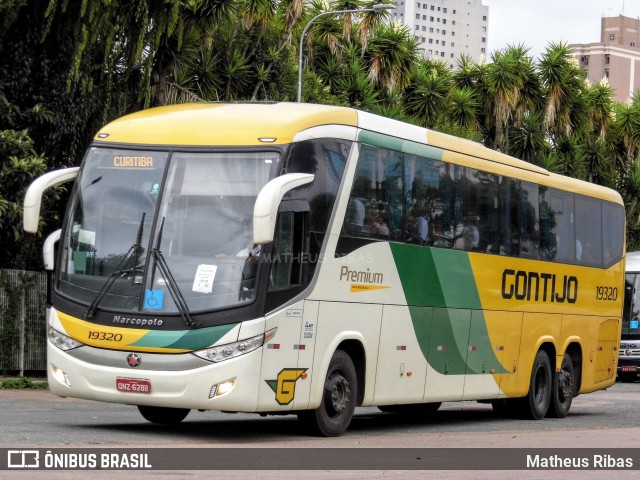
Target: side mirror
{"points": [[265, 210], [49, 248], [33, 197]]}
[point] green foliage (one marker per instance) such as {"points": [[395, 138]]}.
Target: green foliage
{"points": [[21, 384]]}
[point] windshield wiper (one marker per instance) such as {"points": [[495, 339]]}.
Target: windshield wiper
{"points": [[134, 251], [170, 281]]}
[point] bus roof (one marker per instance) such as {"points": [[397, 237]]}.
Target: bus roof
{"points": [[277, 123]]}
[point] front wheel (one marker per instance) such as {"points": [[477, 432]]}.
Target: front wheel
{"points": [[334, 414], [536, 403], [562, 391], [163, 415]]}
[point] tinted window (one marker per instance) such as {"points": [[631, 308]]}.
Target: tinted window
{"points": [[588, 231]]}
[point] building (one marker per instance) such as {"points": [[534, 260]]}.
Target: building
{"points": [[616, 57], [447, 28]]}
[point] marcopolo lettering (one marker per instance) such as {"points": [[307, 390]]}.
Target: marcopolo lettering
{"points": [[143, 322], [539, 287]]}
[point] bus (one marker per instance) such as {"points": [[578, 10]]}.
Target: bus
{"points": [[286, 258], [629, 359]]}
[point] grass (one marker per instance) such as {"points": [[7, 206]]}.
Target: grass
{"points": [[22, 383]]}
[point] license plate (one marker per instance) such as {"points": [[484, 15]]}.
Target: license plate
{"points": [[628, 369], [133, 385]]}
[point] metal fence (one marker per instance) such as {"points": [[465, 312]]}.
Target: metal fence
{"points": [[23, 326]]}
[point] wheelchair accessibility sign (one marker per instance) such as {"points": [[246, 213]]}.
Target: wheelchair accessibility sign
{"points": [[153, 299]]}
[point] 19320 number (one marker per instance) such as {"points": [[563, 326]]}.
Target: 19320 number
{"points": [[606, 293]]}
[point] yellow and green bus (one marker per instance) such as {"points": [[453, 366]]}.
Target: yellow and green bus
{"points": [[307, 259]]}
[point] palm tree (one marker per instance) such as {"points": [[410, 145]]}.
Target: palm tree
{"points": [[563, 82], [392, 52], [425, 98], [462, 108], [599, 101], [527, 139]]}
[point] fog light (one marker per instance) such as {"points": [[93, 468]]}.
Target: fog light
{"points": [[60, 376], [222, 388]]}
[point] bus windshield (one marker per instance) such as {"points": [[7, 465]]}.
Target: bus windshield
{"points": [[630, 328], [199, 222]]}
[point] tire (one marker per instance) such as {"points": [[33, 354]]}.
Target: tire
{"points": [[340, 392], [562, 391], [536, 404], [163, 415], [411, 409]]}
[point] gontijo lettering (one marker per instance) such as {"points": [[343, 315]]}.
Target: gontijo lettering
{"points": [[132, 161], [539, 287]]}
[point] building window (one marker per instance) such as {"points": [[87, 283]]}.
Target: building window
{"points": [[612, 36], [444, 32], [585, 60], [484, 29], [430, 29], [437, 42], [453, 34], [453, 44], [453, 22], [632, 44], [424, 29], [606, 60], [417, 27], [438, 8], [482, 50], [417, 16], [438, 19], [431, 40], [444, 20], [484, 39], [430, 52], [444, 44], [422, 39], [418, 5], [484, 18], [444, 9], [454, 11], [432, 7], [431, 18], [442, 54], [424, 17]]}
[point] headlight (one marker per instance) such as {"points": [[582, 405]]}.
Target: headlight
{"points": [[62, 341], [232, 350]]}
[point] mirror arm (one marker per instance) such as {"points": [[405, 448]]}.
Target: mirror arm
{"points": [[265, 210]]}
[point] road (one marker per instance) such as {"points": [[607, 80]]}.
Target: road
{"points": [[611, 419]]}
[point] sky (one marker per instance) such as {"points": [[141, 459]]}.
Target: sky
{"points": [[535, 23]]}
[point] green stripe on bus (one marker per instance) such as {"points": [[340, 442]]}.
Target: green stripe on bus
{"points": [[397, 144], [183, 339], [443, 332]]}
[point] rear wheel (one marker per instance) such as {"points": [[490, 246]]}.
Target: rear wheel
{"points": [[334, 414], [163, 415], [562, 390], [536, 404]]}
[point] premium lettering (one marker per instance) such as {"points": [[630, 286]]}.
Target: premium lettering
{"points": [[360, 275], [539, 287]]}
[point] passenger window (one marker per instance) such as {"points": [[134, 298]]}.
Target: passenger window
{"points": [[376, 205], [588, 231], [528, 220], [427, 200], [556, 225], [613, 220]]}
